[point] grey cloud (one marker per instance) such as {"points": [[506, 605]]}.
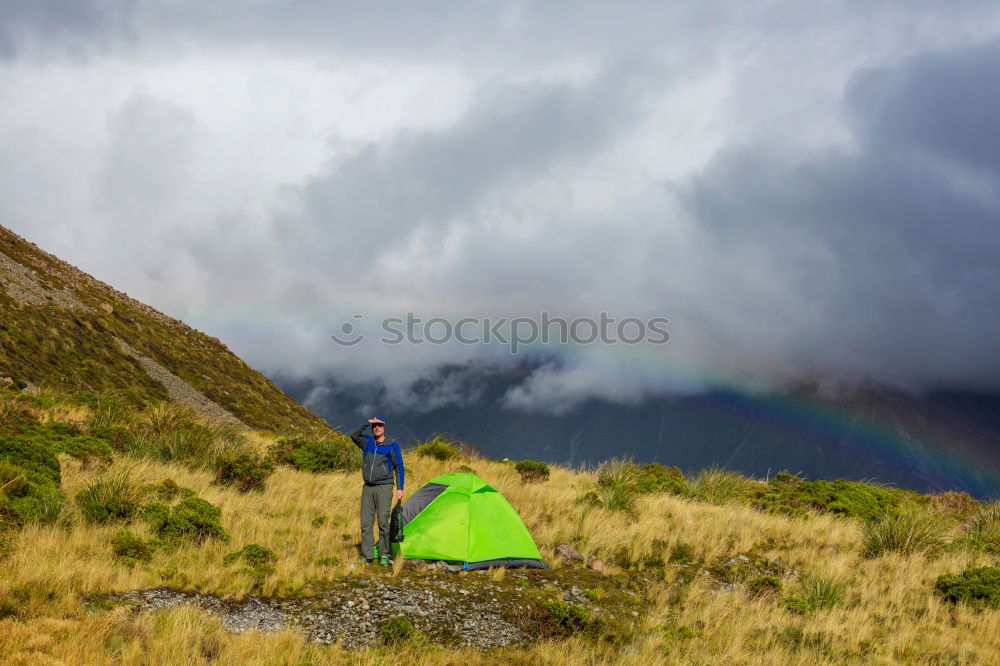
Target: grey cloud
{"points": [[150, 152], [70, 28], [899, 260], [851, 236], [945, 104], [424, 181], [848, 263], [489, 33]]}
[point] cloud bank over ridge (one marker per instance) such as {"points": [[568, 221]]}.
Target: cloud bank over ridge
{"points": [[803, 191]]}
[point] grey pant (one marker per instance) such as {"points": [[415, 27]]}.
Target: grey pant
{"points": [[375, 500]]}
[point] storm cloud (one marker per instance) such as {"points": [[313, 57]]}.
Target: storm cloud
{"points": [[805, 192]]}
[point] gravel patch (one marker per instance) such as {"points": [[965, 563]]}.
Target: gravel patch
{"points": [[449, 612], [178, 389], [22, 285]]}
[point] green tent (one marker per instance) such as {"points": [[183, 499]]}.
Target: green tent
{"points": [[460, 518]]}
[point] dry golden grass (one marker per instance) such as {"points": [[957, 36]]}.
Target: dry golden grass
{"points": [[889, 613]]}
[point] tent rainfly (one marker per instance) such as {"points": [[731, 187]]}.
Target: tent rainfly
{"points": [[460, 518]]}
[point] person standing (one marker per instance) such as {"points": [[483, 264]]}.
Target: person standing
{"points": [[381, 462]]}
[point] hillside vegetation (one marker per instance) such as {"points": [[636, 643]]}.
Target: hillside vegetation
{"points": [[102, 497], [61, 327], [143, 465]]}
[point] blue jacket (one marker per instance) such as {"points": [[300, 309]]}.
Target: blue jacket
{"points": [[381, 461]]}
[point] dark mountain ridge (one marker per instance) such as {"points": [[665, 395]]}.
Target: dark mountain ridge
{"points": [[942, 440]]}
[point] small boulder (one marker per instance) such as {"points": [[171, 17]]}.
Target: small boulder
{"points": [[107, 308], [414, 564], [595, 564], [568, 553]]}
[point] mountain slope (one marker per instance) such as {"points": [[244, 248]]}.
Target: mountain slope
{"points": [[61, 327]]}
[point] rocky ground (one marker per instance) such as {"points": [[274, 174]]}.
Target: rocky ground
{"points": [[469, 610]]}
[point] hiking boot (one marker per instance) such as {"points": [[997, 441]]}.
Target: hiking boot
{"points": [[385, 562], [364, 560]]}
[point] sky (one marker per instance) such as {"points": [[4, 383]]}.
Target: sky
{"points": [[806, 191]]}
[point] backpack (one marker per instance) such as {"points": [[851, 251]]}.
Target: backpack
{"points": [[395, 524]]}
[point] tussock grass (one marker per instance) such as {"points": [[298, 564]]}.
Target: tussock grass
{"points": [[983, 529], [720, 486], [863, 609], [907, 531], [115, 496]]}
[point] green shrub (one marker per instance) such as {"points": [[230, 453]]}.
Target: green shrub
{"points": [[168, 490], [792, 496], [130, 548], [253, 554], [398, 632], [113, 497], [439, 449], [567, 619], [244, 470], [35, 447], [764, 586], [532, 471], [26, 498], [32, 452], [30, 476], [796, 604], [657, 478], [87, 449], [465, 449], [13, 480], [192, 518], [155, 514], [338, 455], [978, 587], [331, 561], [907, 531], [259, 560]]}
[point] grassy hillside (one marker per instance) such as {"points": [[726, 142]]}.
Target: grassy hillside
{"points": [[706, 570], [61, 327]]}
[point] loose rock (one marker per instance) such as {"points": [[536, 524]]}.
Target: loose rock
{"points": [[568, 553]]}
